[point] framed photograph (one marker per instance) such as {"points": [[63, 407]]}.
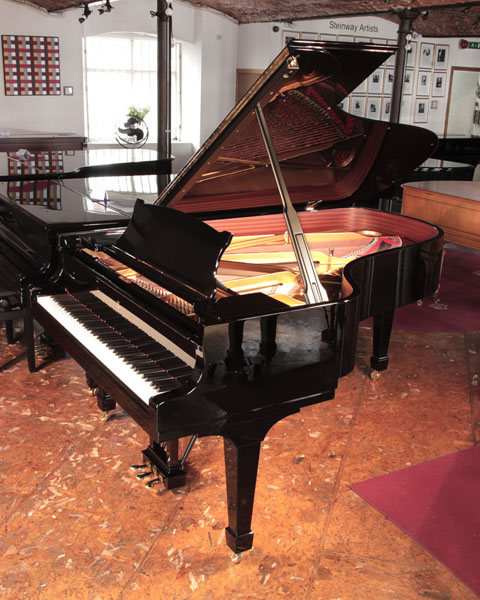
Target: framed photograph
{"points": [[361, 89], [345, 38], [424, 81], [373, 108], [411, 50], [287, 36], [439, 83], [390, 62], [388, 83], [307, 35], [426, 56], [344, 104], [386, 108], [421, 110], [375, 82], [408, 82], [357, 106], [441, 57], [68, 90]]}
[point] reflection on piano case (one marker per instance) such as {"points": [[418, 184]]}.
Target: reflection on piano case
{"points": [[198, 317]]}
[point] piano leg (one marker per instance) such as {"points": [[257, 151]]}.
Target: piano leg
{"points": [[382, 328], [29, 340], [241, 465]]}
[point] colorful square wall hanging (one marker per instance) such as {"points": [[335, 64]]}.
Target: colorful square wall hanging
{"points": [[37, 193], [31, 65]]}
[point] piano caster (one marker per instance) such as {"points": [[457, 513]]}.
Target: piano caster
{"points": [[237, 557]]}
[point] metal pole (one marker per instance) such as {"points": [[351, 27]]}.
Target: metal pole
{"points": [[406, 19], [164, 33]]}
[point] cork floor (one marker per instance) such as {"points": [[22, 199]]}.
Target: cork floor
{"points": [[77, 524]]}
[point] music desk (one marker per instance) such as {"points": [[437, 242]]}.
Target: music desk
{"points": [[453, 205]]}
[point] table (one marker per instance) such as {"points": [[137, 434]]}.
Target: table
{"points": [[452, 205]]}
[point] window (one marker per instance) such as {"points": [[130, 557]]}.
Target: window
{"points": [[120, 72]]}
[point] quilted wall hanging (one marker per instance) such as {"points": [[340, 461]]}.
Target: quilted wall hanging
{"points": [[31, 65]]}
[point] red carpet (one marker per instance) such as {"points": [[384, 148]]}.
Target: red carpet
{"points": [[436, 503], [458, 308]]}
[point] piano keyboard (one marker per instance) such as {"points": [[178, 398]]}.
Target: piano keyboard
{"points": [[118, 339]]}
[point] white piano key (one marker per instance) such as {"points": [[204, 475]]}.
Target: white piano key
{"points": [[119, 367]]}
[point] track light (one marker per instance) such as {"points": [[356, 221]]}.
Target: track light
{"points": [[107, 7], [466, 10], [425, 15], [86, 13]]}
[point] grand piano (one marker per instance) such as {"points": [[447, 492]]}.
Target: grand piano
{"points": [[234, 299]]}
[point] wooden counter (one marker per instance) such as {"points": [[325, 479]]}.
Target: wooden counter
{"points": [[452, 205]]}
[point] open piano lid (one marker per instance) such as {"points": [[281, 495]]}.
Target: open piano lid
{"points": [[326, 155]]}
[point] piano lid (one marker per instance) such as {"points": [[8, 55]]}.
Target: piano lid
{"points": [[326, 155]]}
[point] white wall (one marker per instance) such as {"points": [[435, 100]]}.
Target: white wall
{"points": [[214, 47], [45, 113], [210, 60]]}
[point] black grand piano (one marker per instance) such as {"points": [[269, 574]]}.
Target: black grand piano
{"points": [[234, 299]]}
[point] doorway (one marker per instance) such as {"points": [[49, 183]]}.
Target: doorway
{"points": [[464, 82]]}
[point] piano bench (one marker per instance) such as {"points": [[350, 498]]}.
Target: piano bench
{"points": [[10, 311]]}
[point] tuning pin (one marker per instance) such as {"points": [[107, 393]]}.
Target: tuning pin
{"points": [[143, 475], [153, 482]]}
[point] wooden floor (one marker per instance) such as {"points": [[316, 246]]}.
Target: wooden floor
{"points": [[77, 524]]}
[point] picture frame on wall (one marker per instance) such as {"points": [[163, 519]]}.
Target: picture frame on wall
{"points": [[441, 56], [357, 106], [424, 82], [344, 104], [411, 52], [287, 36], [426, 56], [388, 83], [375, 82], [373, 108], [439, 84], [408, 82], [362, 88], [308, 35], [390, 62], [421, 110], [386, 108]]}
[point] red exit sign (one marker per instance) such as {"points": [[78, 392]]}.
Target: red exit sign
{"points": [[466, 44]]}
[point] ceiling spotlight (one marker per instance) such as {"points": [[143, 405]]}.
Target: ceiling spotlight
{"points": [[86, 13], [107, 7], [466, 10], [426, 15]]}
